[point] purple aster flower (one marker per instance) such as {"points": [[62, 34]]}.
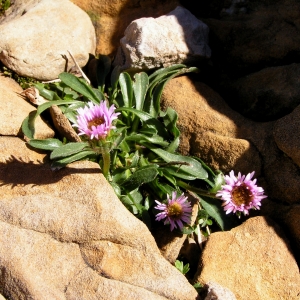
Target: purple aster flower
{"points": [[175, 212], [240, 193], [95, 120]]}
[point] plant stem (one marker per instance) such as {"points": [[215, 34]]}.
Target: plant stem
{"points": [[198, 191], [106, 161]]}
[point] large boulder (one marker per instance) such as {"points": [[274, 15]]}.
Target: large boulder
{"points": [[66, 235], [253, 260], [36, 37], [14, 109]]}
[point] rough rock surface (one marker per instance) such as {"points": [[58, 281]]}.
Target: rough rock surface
{"points": [[226, 140], [253, 260], [209, 128], [284, 134], [218, 292], [14, 109], [34, 42], [266, 95], [182, 39], [110, 18], [62, 231]]}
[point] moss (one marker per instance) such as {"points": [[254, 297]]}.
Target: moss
{"points": [[24, 82], [4, 5]]}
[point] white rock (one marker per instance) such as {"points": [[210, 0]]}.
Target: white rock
{"points": [[33, 44], [178, 37]]}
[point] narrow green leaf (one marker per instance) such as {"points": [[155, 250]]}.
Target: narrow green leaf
{"points": [[68, 149], [165, 70], [192, 167], [145, 117], [214, 208], [28, 125], [47, 94], [218, 182], [176, 171], [47, 144], [139, 177], [58, 164], [140, 138], [126, 88], [79, 86], [140, 86]]}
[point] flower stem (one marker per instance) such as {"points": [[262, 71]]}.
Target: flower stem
{"points": [[198, 191], [106, 161]]}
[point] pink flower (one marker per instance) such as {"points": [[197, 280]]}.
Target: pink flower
{"points": [[175, 212], [240, 193], [95, 120]]}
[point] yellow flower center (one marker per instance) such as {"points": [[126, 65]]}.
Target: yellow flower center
{"points": [[95, 122], [241, 195], [175, 211]]}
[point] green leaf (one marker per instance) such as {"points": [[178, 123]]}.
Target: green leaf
{"points": [[79, 86], [140, 86], [28, 125], [47, 94], [176, 171], [139, 177], [140, 138], [68, 149], [126, 88], [48, 144], [214, 209], [218, 182], [133, 202], [166, 70], [58, 164], [192, 167], [145, 117]]}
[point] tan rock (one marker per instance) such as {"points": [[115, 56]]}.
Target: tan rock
{"points": [[52, 29], [14, 109], [225, 140], [110, 18], [253, 260], [46, 216], [209, 128]]}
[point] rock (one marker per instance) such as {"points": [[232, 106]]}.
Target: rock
{"points": [[258, 38], [226, 141], [110, 18], [209, 128], [218, 292], [66, 235], [266, 95], [284, 135], [182, 39], [48, 29], [14, 109], [253, 260]]}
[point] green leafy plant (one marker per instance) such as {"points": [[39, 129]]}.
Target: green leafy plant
{"points": [[137, 150], [4, 5], [181, 267]]}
